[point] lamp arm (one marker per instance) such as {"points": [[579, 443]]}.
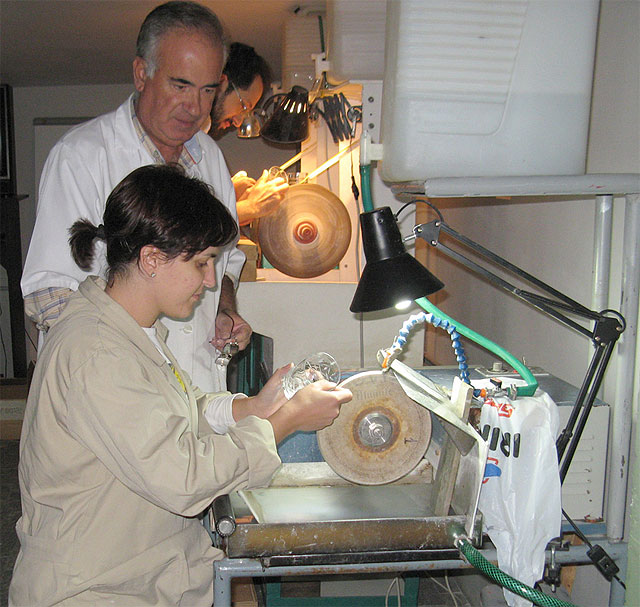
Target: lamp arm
{"points": [[546, 302], [609, 325], [582, 407], [543, 304], [430, 232]]}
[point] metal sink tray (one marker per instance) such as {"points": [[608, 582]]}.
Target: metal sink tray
{"points": [[339, 519]]}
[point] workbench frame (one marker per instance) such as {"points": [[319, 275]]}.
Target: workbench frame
{"points": [[227, 569]]}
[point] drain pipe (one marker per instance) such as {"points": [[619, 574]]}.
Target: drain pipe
{"points": [[623, 415], [622, 411], [602, 252], [603, 227]]}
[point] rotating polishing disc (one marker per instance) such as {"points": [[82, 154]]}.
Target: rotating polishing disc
{"points": [[308, 234], [380, 435]]}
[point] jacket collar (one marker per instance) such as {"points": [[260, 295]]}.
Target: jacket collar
{"points": [[114, 315]]}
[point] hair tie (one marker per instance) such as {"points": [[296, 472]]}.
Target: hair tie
{"points": [[100, 232]]}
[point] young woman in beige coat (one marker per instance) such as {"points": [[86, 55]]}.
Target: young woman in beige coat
{"points": [[117, 459]]}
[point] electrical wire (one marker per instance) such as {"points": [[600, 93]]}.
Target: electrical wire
{"points": [[402, 208], [396, 581], [423, 199], [446, 579], [321, 26], [446, 588], [584, 538], [356, 196], [4, 348]]}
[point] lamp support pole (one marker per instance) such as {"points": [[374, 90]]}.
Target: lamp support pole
{"points": [[607, 328]]}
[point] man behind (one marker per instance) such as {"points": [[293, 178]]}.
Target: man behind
{"points": [[176, 71], [245, 77]]}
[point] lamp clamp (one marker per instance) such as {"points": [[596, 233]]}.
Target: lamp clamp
{"points": [[607, 329], [428, 231]]}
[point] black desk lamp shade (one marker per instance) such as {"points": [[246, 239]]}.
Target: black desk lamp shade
{"points": [[290, 120], [391, 275]]}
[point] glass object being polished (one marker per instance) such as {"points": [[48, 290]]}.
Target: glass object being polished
{"points": [[313, 368]]}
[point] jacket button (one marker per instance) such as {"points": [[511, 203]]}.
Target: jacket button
{"points": [[187, 329]]}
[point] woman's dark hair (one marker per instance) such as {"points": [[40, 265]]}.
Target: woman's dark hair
{"points": [[155, 205]]}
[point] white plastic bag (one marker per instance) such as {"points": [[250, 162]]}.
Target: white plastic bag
{"points": [[520, 498]]}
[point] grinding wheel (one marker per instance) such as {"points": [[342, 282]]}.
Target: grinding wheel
{"points": [[380, 435], [308, 234]]}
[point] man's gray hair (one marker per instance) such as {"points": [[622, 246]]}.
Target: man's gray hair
{"points": [[177, 14]]}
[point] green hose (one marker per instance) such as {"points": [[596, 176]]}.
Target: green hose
{"points": [[525, 373], [365, 186], [476, 559]]}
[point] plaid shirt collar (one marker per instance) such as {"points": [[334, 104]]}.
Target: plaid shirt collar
{"points": [[190, 155]]}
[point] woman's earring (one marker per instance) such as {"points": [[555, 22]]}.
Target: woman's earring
{"points": [[153, 274]]}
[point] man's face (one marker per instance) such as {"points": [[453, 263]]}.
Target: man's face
{"points": [[174, 102], [227, 109]]}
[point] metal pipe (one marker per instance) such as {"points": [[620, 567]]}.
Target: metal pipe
{"points": [[537, 185], [617, 592], [622, 410], [222, 586], [602, 230], [297, 157], [329, 163], [602, 251]]}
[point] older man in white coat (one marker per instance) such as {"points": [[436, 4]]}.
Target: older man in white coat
{"points": [[180, 56]]}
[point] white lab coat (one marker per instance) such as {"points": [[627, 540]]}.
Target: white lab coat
{"points": [[78, 176]]}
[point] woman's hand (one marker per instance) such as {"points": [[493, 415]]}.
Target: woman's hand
{"points": [[266, 402], [312, 408]]}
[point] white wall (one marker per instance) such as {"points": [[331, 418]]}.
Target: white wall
{"points": [[51, 102], [303, 318], [553, 239]]}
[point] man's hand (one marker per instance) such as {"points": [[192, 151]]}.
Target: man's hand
{"points": [[242, 182], [257, 199], [229, 326]]}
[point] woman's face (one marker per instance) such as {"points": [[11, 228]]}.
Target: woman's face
{"points": [[181, 282]]}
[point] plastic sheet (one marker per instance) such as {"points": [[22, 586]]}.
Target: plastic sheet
{"points": [[521, 493]]}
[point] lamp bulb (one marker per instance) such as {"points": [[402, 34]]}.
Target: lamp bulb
{"points": [[403, 305]]}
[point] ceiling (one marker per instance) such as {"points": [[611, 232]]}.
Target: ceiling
{"points": [[65, 42]]}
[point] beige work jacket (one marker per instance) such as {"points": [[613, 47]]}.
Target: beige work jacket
{"points": [[116, 462]]}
